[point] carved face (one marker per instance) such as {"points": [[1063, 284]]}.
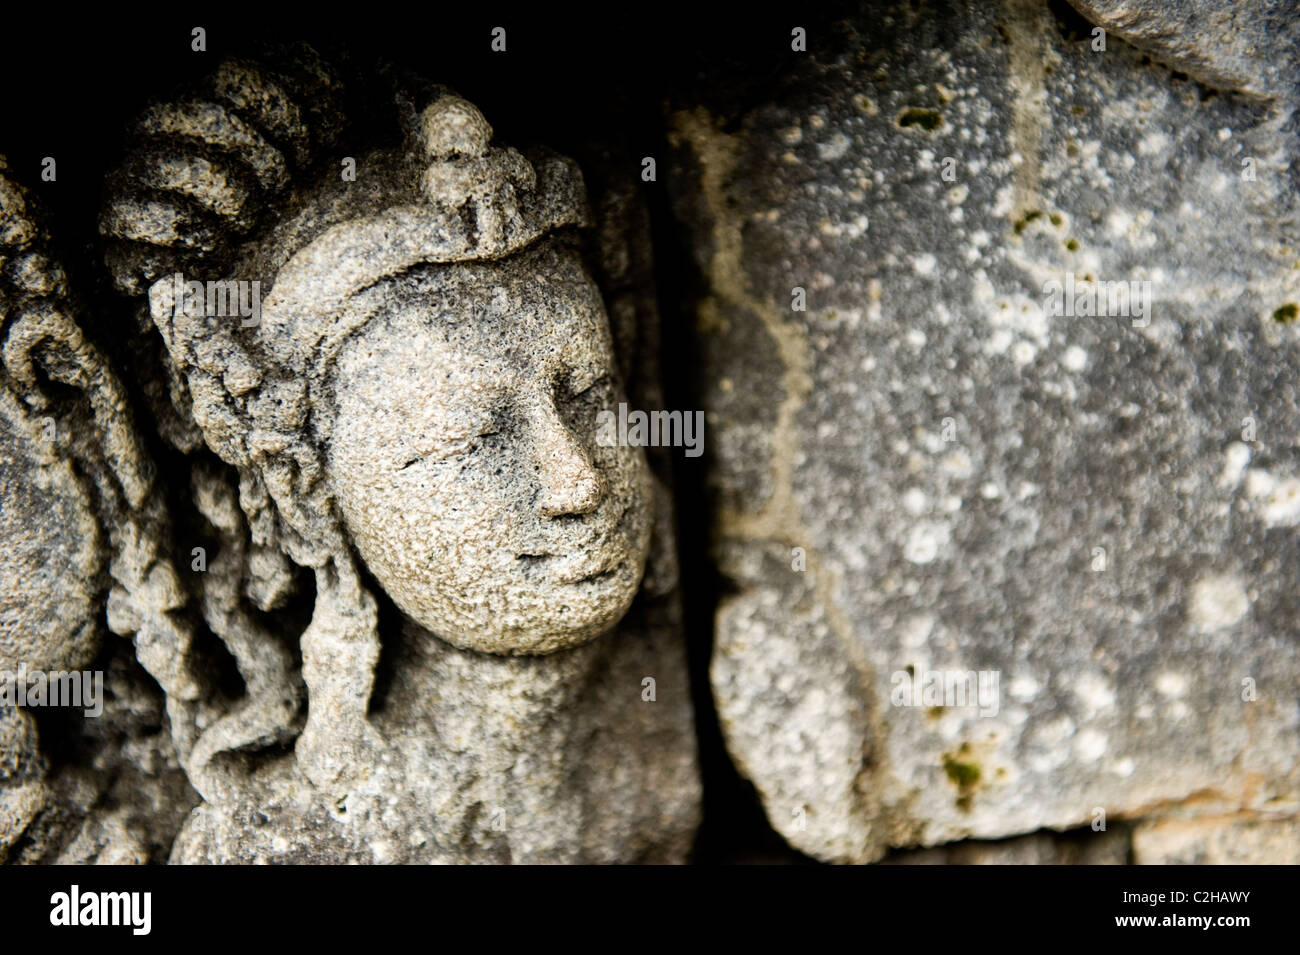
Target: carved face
{"points": [[464, 459]]}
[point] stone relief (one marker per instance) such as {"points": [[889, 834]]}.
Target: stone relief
{"points": [[408, 395], [86, 550], [333, 516]]}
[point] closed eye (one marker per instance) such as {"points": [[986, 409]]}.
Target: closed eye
{"points": [[456, 449]]}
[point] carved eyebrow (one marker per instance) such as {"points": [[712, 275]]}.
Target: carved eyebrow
{"points": [[448, 444]]}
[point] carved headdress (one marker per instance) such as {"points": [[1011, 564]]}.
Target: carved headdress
{"points": [[451, 196]]}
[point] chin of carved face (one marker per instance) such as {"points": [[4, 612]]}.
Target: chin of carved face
{"points": [[464, 460]]}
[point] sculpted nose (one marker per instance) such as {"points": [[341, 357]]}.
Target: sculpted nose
{"points": [[570, 482]]}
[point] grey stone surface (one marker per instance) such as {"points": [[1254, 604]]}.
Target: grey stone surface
{"points": [[1244, 45], [52, 556], [23, 793], [1100, 512], [117, 795], [430, 617], [1240, 839]]}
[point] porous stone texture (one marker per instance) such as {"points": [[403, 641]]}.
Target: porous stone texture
{"points": [[116, 795], [493, 759], [1246, 839], [23, 793], [1244, 45], [926, 470], [51, 558]]}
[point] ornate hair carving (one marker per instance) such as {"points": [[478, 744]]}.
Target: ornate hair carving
{"points": [[42, 341]]}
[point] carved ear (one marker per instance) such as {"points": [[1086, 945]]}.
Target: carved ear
{"points": [[216, 367], [1250, 46]]}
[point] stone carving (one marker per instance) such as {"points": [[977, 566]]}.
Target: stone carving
{"points": [[1006, 569], [81, 527], [409, 402]]}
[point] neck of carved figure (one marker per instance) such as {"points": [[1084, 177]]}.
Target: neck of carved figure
{"points": [[469, 698]]}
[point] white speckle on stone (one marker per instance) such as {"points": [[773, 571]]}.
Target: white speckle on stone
{"points": [[835, 147], [999, 342], [1217, 602], [916, 338], [916, 630], [990, 491], [1119, 222], [923, 264], [1123, 767], [1075, 358], [1235, 459], [1094, 691], [1279, 498], [1023, 688], [957, 464], [925, 541], [915, 501], [1089, 745], [1171, 684], [1154, 144]]}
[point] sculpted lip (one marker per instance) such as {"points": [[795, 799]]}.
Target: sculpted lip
{"points": [[605, 568], [577, 564], [584, 564]]}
